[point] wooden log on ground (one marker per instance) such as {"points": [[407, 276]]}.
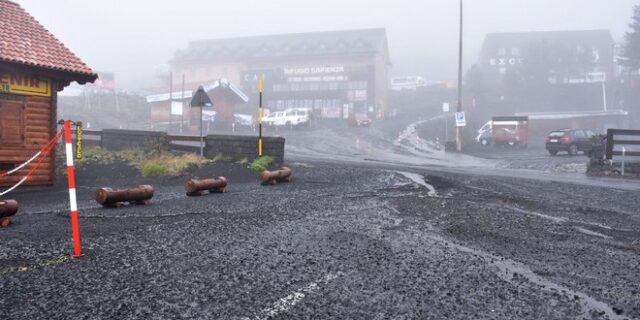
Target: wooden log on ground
{"points": [[8, 208], [214, 185], [274, 177], [108, 197]]}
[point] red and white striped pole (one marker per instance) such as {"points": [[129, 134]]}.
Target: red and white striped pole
{"points": [[75, 228]]}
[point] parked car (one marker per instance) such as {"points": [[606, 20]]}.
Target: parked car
{"points": [[360, 120], [569, 140], [407, 83], [242, 121], [290, 117], [511, 131]]}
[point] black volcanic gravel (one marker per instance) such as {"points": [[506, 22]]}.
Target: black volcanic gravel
{"points": [[339, 242]]}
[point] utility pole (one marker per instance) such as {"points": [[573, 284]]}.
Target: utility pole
{"points": [[182, 105], [170, 98], [459, 109], [604, 91]]}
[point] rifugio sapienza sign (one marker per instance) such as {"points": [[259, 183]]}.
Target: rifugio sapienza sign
{"points": [[24, 84]]}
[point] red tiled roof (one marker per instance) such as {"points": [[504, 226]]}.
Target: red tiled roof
{"points": [[23, 40]]}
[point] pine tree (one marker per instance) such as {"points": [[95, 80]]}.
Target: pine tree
{"points": [[632, 49]]}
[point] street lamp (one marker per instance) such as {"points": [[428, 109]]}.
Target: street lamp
{"points": [[459, 109]]}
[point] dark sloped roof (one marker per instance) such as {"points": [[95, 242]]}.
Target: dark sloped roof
{"points": [[287, 45], [23, 40]]}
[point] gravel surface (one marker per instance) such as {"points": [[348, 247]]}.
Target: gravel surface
{"points": [[340, 241]]}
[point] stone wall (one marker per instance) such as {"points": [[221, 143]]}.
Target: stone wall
{"points": [[600, 166], [117, 140], [240, 147], [236, 147]]}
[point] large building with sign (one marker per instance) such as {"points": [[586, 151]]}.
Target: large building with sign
{"points": [[34, 66], [547, 71], [559, 57], [336, 73]]}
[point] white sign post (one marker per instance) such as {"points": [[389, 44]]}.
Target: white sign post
{"points": [[445, 109], [461, 121]]}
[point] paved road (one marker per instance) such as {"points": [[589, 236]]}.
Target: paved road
{"points": [[349, 238], [338, 242]]}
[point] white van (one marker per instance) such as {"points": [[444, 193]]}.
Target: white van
{"points": [[290, 117], [407, 83]]}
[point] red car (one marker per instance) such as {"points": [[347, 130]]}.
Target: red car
{"points": [[360, 120]]}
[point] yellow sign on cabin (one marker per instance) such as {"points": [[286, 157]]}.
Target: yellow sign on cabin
{"points": [[24, 84]]}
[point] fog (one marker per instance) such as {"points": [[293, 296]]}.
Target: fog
{"points": [[135, 39]]}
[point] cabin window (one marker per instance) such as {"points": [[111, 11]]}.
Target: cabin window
{"points": [[11, 123]]}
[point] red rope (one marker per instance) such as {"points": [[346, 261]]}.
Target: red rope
{"points": [[46, 150]]}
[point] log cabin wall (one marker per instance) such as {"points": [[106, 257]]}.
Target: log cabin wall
{"points": [[27, 123], [34, 66]]}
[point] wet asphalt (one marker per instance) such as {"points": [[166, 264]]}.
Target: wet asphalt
{"points": [[343, 240]]}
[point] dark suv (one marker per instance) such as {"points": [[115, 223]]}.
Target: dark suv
{"points": [[569, 140]]}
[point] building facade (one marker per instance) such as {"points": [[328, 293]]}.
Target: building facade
{"points": [[547, 71], [172, 112], [337, 73], [34, 66]]}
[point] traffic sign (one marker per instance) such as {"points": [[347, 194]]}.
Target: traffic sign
{"points": [[461, 121], [201, 99], [445, 107]]}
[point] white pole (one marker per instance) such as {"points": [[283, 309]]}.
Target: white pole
{"points": [[604, 90], [446, 127], [201, 137], [624, 151]]}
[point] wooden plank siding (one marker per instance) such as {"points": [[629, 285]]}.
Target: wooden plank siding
{"points": [[35, 126]]}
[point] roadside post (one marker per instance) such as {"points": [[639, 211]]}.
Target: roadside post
{"points": [[624, 153], [260, 83], [461, 121], [75, 226], [445, 110], [79, 137], [201, 99]]}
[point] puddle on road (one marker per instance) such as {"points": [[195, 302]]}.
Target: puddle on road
{"points": [[418, 179]]}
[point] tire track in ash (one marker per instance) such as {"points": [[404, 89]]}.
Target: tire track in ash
{"points": [[285, 304], [510, 270]]}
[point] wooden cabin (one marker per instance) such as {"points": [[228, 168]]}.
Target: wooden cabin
{"points": [[34, 66]]}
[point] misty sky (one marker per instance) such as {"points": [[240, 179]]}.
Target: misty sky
{"points": [[136, 38]]}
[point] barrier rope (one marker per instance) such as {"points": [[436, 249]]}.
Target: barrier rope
{"points": [[44, 152]]}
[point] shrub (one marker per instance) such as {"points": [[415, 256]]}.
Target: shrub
{"points": [[261, 164], [222, 157], [150, 164], [152, 169]]}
